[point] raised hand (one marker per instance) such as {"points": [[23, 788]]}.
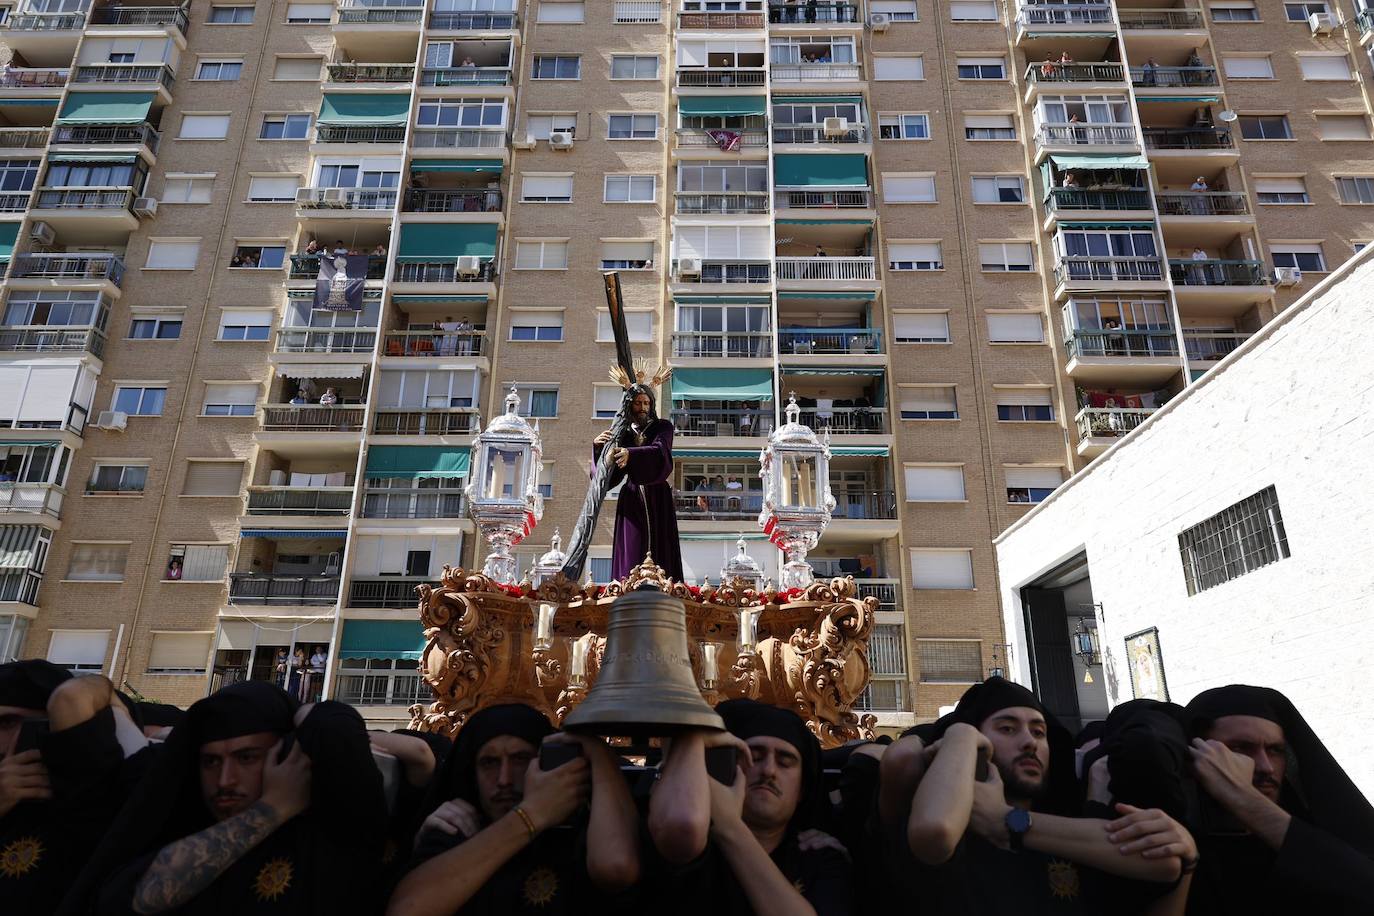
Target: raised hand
{"points": [[1226, 776], [453, 817], [988, 818], [602, 437], [1151, 833], [23, 777], [551, 796], [286, 783]]}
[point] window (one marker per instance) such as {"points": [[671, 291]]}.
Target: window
{"points": [[138, 401], [1265, 127], [213, 478], [230, 399], [530, 325], [1025, 405], [989, 127], [1235, 541], [1282, 190], [904, 127], [1303, 257], [606, 401], [297, 68], [914, 256], [541, 126], [285, 127], [634, 67], [942, 569], [934, 483], [899, 68], [18, 174], [631, 189], [258, 257], [982, 68], [1248, 68], [154, 328], [999, 189], [98, 562], [309, 13], [927, 328], [934, 402], [635, 255], [1013, 327], [273, 188], [908, 189], [245, 324], [1298, 12], [560, 11], [204, 127], [230, 15], [1325, 67], [117, 478], [79, 650], [897, 10], [1235, 11], [632, 127], [1006, 256], [538, 400], [187, 189], [539, 255], [180, 653], [1343, 126], [546, 189], [888, 690], [1356, 190], [1032, 485], [556, 67], [197, 562], [219, 70], [973, 10], [638, 324], [950, 661]]}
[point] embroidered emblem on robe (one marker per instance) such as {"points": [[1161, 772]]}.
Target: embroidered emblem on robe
{"points": [[1063, 878], [20, 857], [273, 879], [541, 886]]}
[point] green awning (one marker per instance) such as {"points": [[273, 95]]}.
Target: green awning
{"points": [[698, 105], [1101, 162], [1135, 225], [456, 165], [18, 546], [437, 298], [383, 639], [417, 461], [106, 108], [442, 241], [817, 100], [1176, 98], [722, 384], [824, 222], [721, 300], [364, 109], [810, 170], [294, 533], [29, 443], [8, 233], [92, 157], [30, 103], [742, 454], [872, 451], [862, 295]]}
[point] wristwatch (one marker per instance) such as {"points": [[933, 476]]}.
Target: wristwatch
{"points": [[1018, 821]]}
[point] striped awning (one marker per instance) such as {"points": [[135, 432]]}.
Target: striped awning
{"points": [[18, 546], [293, 533], [859, 451], [741, 454]]}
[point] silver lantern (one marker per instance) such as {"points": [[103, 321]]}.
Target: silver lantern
{"points": [[797, 500], [503, 489]]}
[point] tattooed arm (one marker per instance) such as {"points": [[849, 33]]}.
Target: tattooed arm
{"points": [[184, 868]]}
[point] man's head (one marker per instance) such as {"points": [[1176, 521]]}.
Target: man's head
{"points": [[500, 770], [489, 760], [773, 783], [1020, 750], [233, 730], [231, 772], [1262, 741], [783, 790], [24, 690]]}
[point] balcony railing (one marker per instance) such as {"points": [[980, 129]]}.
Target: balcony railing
{"points": [[1084, 267], [385, 15], [76, 421], [1173, 77], [1126, 343], [442, 270], [849, 198], [473, 22], [1218, 272], [725, 272], [442, 421], [465, 76], [23, 137], [1073, 199], [725, 422], [382, 688], [638, 11], [720, 203], [718, 505], [810, 341], [370, 73], [1087, 134], [140, 16], [46, 22], [827, 268], [1072, 14], [1075, 73], [887, 591], [347, 198], [862, 504], [69, 267], [848, 421], [312, 418], [1366, 20], [723, 344], [435, 343], [458, 138], [252, 588], [419, 503], [1203, 203], [52, 339], [43, 498], [1187, 138], [125, 73], [307, 267], [816, 73], [106, 135], [34, 78], [359, 133], [816, 133], [749, 137], [1208, 346], [300, 500], [14, 203], [1110, 422], [453, 200], [812, 13], [84, 199], [390, 592], [326, 340], [1161, 19], [722, 78], [720, 20]]}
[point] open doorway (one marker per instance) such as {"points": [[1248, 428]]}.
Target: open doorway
{"points": [[1062, 640]]}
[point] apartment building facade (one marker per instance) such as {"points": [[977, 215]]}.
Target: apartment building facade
{"points": [[271, 266]]}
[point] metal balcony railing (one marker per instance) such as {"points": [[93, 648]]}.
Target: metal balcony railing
{"points": [[846, 421], [1075, 73], [465, 76], [69, 267], [359, 133], [811, 341], [724, 422], [106, 135], [312, 418], [141, 16], [41, 498], [1072, 199], [300, 500], [1088, 268], [749, 138], [723, 344], [76, 421], [1110, 422], [48, 339], [718, 505], [326, 340], [253, 588], [720, 20], [443, 270], [435, 343], [388, 15], [637, 11], [863, 504], [34, 78], [388, 592], [458, 138], [1366, 20], [1073, 14], [1208, 346], [798, 13], [1187, 138], [352, 72], [443, 421], [1203, 203], [382, 688], [887, 693], [1218, 272], [347, 198], [816, 73], [307, 267], [725, 272], [453, 200], [1076, 134], [125, 73], [848, 198], [419, 503], [722, 77], [1173, 77], [15, 203], [1162, 19], [46, 22], [23, 137], [720, 203], [83, 199], [827, 268], [887, 591], [815, 133], [473, 22], [21, 586], [1126, 343]]}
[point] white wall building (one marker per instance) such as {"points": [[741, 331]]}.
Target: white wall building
{"points": [[1279, 597]]}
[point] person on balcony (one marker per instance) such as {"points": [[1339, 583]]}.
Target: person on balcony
{"points": [[1049, 68], [329, 398], [313, 247], [1150, 72]]}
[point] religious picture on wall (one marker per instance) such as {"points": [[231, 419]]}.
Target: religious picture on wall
{"points": [[1147, 666]]}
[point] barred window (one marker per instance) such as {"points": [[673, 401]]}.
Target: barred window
{"points": [[887, 691], [1235, 541], [950, 661]]}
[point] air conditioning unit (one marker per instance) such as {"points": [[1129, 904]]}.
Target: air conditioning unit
{"points": [[145, 207], [111, 419], [561, 139], [879, 22], [469, 265], [335, 197], [1321, 23], [689, 267], [42, 233], [527, 143], [1287, 276], [836, 127]]}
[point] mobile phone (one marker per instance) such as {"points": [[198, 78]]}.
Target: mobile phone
{"points": [[980, 769], [32, 732], [554, 754], [721, 764]]}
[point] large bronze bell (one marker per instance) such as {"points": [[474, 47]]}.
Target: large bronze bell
{"points": [[646, 687]]}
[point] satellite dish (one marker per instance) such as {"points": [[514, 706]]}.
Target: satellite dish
{"points": [[1227, 115]]}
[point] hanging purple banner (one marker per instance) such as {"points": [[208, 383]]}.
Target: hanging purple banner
{"points": [[339, 285]]}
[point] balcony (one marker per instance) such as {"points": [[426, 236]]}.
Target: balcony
{"points": [[1099, 427], [1085, 268], [1074, 200], [360, 133], [307, 267], [816, 73], [34, 78], [718, 505], [721, 77], [1187, 138], [473, 22], [813, 13], [847, 421], [125, 74], [393, 12], [453, 200], [75, 421], [382, 686], [829, 341], [637, 12], [325, 340], [106, 135], [1123, 343], [141, 16], [427, 503], [16, 202], [1174, 77], [1073, 15], [1218, 272], [445, 270], [1366, 20], [841, 269], [722, 203], [1206, 346], [887, 591], [38, 498], [84, 199], [386, 592], [714, 21], [846, 199], [312, 418], [457, 138], [267, 589], [724, 272], [46, 22], [300, 500], [383, 199], [1076, 134], [857, 505], [742, 138], [723, 344], [442, 421], [440, 77], [52, 339], [727, 422], [435, 343], [816, 133], [1057, 73], [1203, 203], [1161, 19], [24, 137], [370, 73], [68, 267]]}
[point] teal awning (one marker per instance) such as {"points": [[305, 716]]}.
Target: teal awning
{"points": [[436, 298], [30, 103], [1135, 225], [698, 105], [92, 157], [364, 109], [808, 170], [1176, 98], [742, 454], [833, 370], [824, 222], [29, 443], [817, 100], [8, 233], [872, 451], [17, 546], [416, 461], [106, 108], [382, 639], [442, 241], [1101, 162], [721, 300], [456, 165], [722, 384], [293, 533], [863, 295]]}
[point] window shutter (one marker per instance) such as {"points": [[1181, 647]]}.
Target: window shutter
{"points": [[988, 121], [754, 243], [257, 318], [48, 395], [560, 11], [179, 652], [98, 562], [1035, 478], [299, 11], [204, 562], [173, 255], [204, 127], [691, 54], [911, 328], [537, 319], [942, 568], [950, 661], [1343, 127], [213, 478], [973, 10], [1280, 186], [898, 68], [927, 399], [913, 188], [1016, 328], [534, 187], [1024, 397], [78, 647], [627, 251], [246, 393], [297, 68], [934, 484], [1247, 68], [981, 62], [273, 188], [606, 398], [1325, 67], [913, 251]]}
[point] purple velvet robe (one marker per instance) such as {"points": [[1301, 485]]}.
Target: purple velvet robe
{"points": [[645, 516]]}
